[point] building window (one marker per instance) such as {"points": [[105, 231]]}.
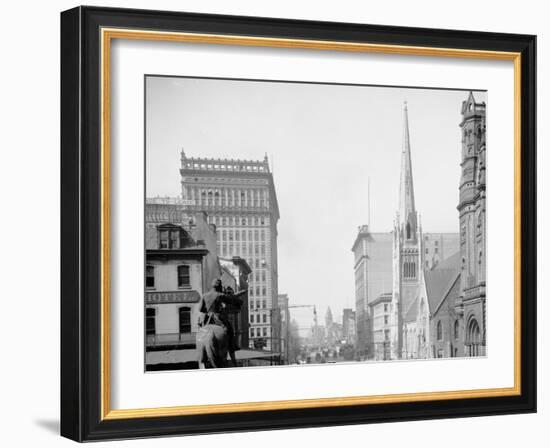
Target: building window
{"points": [[185, 319], [265, 331], [456, 329], [474, 338], [264, 304], [184, 279], [252, 318], [163, 239], [150, 321], [385, 307], [264, 318], [149, 276], [439, 331], [385, 320], [171, 238]]}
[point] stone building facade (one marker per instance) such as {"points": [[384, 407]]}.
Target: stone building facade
{"points": [[239, 197], [471, 305]]}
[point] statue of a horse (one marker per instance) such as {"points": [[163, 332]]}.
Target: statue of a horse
{"points": [[212, 346]]}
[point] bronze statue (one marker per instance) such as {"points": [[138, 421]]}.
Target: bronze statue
{"points": [[215, 338]]}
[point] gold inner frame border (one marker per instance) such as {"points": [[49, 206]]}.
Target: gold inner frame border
{"points": [[107, 35]]}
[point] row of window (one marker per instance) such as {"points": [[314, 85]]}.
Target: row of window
{"points": [[184, 314], [439, 331], [242, 249], [174, 238], [259, 291], [255, 305], [225, 166], [183, 276], [260, 318], [238, 235], [227, 197], [224, 221], [258, 332], [409, 269]]}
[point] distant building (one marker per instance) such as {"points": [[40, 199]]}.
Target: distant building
{"points": [[380, 312], [348, 325], [318, 335], [285, 330], [240, 199], [235, 273]]}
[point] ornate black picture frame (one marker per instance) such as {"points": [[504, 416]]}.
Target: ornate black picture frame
{"points": [[86, 34]]}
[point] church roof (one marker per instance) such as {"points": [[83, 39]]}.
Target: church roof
{"points": [[441, 279]]}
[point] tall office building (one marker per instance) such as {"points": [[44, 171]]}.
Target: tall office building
{"points": [[240, 200]]}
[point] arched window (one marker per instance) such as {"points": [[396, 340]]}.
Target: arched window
{"points": [[456, 329], [439, 331], [408, 231], [474, 338]]}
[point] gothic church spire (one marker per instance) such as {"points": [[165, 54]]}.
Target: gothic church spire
{"points": [[407, 211]]}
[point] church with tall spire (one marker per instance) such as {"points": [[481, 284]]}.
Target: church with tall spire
{"points": [[422, 294], [407, 253]]}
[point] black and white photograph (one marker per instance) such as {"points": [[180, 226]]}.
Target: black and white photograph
{"points": [[291, 223]]}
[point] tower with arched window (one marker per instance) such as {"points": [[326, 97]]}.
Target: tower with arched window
{"points": [[407, 247], [471, 208]]}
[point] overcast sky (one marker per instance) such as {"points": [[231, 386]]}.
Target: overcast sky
{"points": [[323, 142]]}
